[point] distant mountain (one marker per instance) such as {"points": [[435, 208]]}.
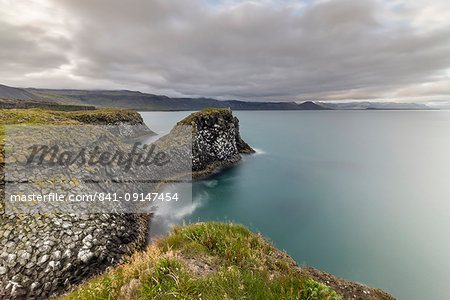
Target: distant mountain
{"points": [[7, 92], [309, 105], [375, 106], [135, 100], [142, 101]]}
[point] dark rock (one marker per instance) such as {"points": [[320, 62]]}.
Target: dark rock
{"points": [[346, 289]]}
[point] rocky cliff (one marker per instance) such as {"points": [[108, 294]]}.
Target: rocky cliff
{"points": [[216, 141], [43, 254]]}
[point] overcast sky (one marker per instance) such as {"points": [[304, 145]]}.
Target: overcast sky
{"points": [[253, 50]]}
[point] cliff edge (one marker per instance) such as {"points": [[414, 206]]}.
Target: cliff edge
{"points": [[217, 261]]}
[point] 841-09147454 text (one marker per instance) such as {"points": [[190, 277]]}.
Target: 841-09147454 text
{"points": [[101, 197]]}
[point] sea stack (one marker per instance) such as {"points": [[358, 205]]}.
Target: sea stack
{"points": [[216, 141]]}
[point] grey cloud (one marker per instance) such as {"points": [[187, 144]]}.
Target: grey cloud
{"points": [[26, 49], [331, 50]]}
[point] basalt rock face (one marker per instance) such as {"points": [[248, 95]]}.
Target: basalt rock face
{"points": [[216, 141], [44, 254]]}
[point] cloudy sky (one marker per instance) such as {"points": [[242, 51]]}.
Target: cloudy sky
{"points": [[241, 49]]}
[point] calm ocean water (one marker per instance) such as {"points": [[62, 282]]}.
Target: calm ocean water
{"points": [[363, 195]]}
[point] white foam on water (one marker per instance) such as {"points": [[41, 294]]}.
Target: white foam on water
{"points": [[211, 183], [173, 213], [259, 151]]}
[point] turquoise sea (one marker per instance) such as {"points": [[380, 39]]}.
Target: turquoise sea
{"points": [[363, 195]]}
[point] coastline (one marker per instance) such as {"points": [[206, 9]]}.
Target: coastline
{"points": [[87, 262]]}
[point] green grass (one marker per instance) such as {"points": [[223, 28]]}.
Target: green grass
{"points": [[209, 112], [34, 116], [38, 116], [214, 109], [207, 261]]}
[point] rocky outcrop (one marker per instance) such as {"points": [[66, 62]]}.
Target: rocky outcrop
{"points": [[216, 141], [348, 290]]}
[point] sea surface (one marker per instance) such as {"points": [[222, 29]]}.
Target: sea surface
{"points": [[363, 195]]}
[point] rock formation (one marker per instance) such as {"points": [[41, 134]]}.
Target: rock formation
{"points": [[216, 141]]}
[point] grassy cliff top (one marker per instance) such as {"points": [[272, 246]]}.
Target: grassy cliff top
{"points": [[206, 113], [27, 104], [106, 116], [39, 116], [206, 261], [34, 117]]}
